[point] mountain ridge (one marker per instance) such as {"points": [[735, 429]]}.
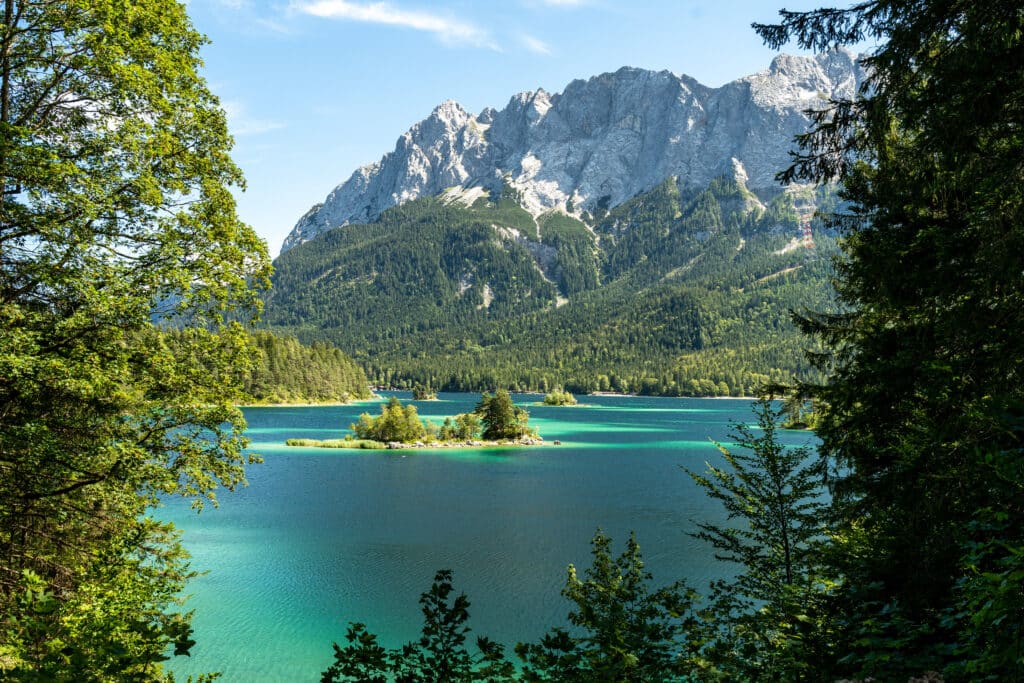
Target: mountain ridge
{"points": [[598, 143]]}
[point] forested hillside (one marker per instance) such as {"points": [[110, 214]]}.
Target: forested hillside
{"points": [[289, 371], [673, 292], [284, 370]]}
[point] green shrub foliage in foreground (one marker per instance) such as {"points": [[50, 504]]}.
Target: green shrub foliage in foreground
{"points": [[625, 633], [116, 212]]}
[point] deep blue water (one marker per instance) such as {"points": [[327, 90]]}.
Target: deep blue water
{"points": [[323, 537]]}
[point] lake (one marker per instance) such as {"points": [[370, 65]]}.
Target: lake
{"points": [[321, 537]]}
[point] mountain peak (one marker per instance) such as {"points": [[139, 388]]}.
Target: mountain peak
{"points": [[449, 111], [601, 141]]}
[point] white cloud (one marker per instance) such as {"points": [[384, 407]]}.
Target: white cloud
{"points": [[241, 124], [535, 45], [450, 30]]}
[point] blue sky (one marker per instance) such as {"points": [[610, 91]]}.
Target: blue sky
{"points": [[316, 88]]}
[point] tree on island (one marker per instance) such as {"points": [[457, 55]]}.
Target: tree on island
{"points": [[395, 423], [463, 427], [559, 397], [495, 418], [502, 419], [423, 393]]}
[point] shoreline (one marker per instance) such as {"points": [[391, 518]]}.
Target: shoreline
{"points": [[365, 445], [377, 397], [311, 404]]}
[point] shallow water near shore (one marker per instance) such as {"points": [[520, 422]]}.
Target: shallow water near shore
{"points": [[322, 537]]}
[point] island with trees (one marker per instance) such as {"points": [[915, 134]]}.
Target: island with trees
{"points": [[423, 393], [560, 397], [495, 421]]}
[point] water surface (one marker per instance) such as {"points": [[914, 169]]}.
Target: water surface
{"points": [[322, 537]]}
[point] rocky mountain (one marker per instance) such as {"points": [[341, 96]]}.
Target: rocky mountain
{"points": [[676, 291], [597, 144]]}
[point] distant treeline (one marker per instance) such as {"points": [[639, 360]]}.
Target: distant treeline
{"points": [[286, 371]]}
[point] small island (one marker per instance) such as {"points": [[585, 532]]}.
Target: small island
{"points": [[560, 397], [423, 393], [495, 421]]}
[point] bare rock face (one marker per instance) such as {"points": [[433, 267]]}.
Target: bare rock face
{"points": [[599, 142]]}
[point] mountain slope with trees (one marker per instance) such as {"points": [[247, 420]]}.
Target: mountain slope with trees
{"points": [[290, 372], [675, 292]]}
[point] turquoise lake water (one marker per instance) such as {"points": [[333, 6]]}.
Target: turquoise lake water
{"points": [[322, 537]]}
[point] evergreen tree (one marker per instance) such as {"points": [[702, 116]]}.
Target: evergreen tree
{"points": [[439, 656], [501, 418], [760, 620], [623, 632], [925, 417]]}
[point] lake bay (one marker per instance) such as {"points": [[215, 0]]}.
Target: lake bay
{"points": [[322, 537]]}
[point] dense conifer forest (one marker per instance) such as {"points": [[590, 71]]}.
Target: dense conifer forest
{"points": [[677, 293], [290, 372]]}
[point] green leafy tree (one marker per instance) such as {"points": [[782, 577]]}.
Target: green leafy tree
{"points": [[762, 619], [559, 397], [395, 423], [925, 417], [624, 631], [464, 427], [115, 211]]}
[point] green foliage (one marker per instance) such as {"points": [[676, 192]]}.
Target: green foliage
{"points": [[422, 393], [464, 427], [114, 625], [288, 371], [576, 265], [348, 442], [925, 405], [115, 210], [800, 412], [500, 418], [623, 631], [685, 293], [761, 622], [395, 423], [439, 656], [559, 397]]}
